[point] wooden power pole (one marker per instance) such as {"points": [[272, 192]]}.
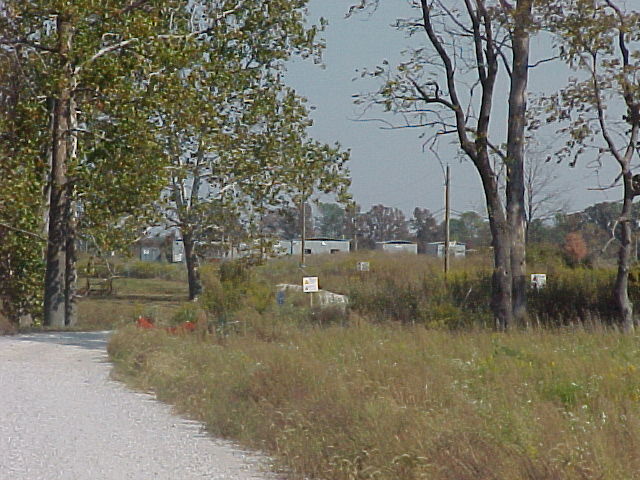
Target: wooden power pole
{"points": [[304, 231], [447, 221]]}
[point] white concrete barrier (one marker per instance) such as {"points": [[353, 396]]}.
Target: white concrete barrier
{"points": [[322, 298]]}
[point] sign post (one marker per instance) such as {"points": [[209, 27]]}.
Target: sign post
{"points": [[310, 285], [363, 266], [538, 280]]}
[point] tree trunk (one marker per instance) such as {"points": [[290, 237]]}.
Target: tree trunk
{"points": [[515, 158], [71, 267], [501, 291], [193, 274], [620, 290], [54, 289]]}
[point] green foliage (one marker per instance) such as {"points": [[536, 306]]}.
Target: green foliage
{"points": [[235, 133], [187, 312], [22, 181], [235, 273], [233, 287], [331, 220], [164, 271], [160, 92]]}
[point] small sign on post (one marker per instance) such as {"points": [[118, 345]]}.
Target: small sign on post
{"points": [[538, 280], [363, 266], [310, 284]]}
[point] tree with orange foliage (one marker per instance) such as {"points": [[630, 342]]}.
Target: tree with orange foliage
{"points": [[575, 248]]}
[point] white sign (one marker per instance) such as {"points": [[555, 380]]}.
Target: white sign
{"points": [[363, 266], [538, 280], [310, 284]]}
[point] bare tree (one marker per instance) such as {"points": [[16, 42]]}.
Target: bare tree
{"points": [[544, 197]]}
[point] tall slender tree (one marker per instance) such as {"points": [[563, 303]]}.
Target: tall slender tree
{"points": [[88, 68], [599, 39]]}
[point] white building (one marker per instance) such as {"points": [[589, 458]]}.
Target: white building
{"points": [[455, 249], [398, 246], [313, 246]]}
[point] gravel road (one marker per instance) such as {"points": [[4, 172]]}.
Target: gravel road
{"points": [[62, 418]]}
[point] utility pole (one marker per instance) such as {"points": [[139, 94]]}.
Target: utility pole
{"points": [[304, 229], [447, 221]]}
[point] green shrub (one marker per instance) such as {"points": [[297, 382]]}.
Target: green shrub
{"points": [[329, 315], [164, 271], [187, 312]]}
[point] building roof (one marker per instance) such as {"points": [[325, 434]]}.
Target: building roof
{"points": [[452, 244], [319, 239], [398, 242], [328, 239]]}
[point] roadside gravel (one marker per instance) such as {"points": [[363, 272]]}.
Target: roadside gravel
{"points": [[62, 418]]}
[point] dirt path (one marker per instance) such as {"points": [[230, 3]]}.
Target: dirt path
{"points": [[62, 418]]}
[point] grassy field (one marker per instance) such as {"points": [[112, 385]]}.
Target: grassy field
{"points": [[132, 297], [398, 402], [408, 385]]}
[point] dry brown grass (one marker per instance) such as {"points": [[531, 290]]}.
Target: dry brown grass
{"points": [[392, 402]]}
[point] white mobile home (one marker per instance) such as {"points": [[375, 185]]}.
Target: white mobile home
{"points": [[313, 246], [455, 249], [398, 246]]}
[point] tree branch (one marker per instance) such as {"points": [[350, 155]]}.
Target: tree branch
{"points": [[450, 74], [102, 52], [131, 6], [25, 232]]}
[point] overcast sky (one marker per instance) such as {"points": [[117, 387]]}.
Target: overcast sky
{"points": [[391, 166]]}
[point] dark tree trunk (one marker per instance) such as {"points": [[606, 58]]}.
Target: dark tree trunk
{"points": [[620, 291], [71, 267], [193, 273], [516, 157], [487, 57], [501, 291], [54, 289]]}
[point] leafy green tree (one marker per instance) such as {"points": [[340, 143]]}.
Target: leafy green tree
{"points": [[604, 215], [286, 223], [381, 224], [470, 228], [90, 69], [331, 220], [262, 162], [236, 135], [21, 186], [425, 227], [122, 90]]}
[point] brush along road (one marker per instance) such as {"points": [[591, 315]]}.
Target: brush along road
{"points": [[62, 418]]}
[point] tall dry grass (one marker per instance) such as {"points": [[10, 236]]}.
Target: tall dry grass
{"points": [[411, 289], [392, 402]]}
